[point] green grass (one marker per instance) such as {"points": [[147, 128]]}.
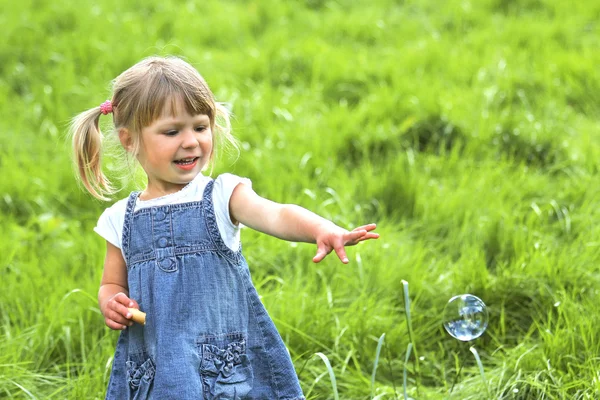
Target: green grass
{"points": [[468, 130]]}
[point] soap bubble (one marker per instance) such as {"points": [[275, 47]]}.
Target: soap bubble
{"points": [[465, 317]]}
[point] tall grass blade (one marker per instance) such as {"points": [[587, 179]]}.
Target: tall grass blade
{"points": [[405, 377], [480, 364], [410, 330], [27, 392], [407, 310], [336, 396], [376, 363]]}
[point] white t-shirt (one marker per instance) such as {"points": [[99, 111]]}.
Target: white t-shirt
{"points": [[110, 223]]}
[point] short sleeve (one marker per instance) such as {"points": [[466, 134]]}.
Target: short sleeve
{"points": [[110, 223], [222, 191]]}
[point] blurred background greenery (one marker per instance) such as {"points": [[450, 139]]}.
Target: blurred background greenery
{"points": [[468, 130]]}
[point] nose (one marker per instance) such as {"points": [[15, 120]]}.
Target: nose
{"points": [[189, 140]]}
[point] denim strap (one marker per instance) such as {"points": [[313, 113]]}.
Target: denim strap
{"points": [[213, 229], [127, 223]]}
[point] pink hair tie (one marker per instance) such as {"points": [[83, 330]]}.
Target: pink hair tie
{"points": [[106, 107]]}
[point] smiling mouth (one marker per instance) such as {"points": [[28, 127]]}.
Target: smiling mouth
{"points": [[186, 161]]}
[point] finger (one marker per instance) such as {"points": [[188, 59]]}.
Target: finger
{"points": [[122, 310], [123, 299], [368, 227], [322, 250], [118, 312], [116, 321], [114, 325], [341, 253], [123, 318], [353, 237], [369, 236], [125, 303], [321, 254]]}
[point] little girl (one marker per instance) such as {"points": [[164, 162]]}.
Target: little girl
{"points": [[173, 249]]}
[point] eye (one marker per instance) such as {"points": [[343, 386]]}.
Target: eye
{"points": [[200, 128], [171, 133]]}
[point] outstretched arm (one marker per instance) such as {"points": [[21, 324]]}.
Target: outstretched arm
{"points": [[294, 223]]}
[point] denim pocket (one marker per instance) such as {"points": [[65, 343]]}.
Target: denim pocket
{"points": [[140, 374], [225, 368]]}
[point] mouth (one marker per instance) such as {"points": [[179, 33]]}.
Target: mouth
{"points": [[186, 163]]}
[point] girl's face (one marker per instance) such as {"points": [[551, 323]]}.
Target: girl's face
{"points": [[173, 150]]}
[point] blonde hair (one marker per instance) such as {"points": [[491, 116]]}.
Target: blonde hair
{"points": [[140, 94]]}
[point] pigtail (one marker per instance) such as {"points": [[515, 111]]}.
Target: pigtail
{"points": [[87, 146]]}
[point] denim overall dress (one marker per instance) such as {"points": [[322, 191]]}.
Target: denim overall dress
{"points": [[207, 334]]}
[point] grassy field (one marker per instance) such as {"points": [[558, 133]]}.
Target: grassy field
{"points": [[468, 130]]}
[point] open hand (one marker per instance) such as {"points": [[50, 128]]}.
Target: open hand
{"points": [[335, 238]]}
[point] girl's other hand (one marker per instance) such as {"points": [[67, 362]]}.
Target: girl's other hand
{"points": [[332, 237], [116, 314]]}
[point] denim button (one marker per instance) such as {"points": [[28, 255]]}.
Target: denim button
{"points": [[162, 242], [160, 215], [166, 263]]}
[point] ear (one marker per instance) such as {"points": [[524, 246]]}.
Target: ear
{"points": [[126, 139]]}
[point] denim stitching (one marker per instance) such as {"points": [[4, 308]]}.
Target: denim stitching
{"points": [[213, 228], [178, 206], [126, 236], [201, 339], [149, 255], [262, 331]]}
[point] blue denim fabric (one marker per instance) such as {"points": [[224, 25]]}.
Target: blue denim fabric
{"points": [[207, 334]]}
